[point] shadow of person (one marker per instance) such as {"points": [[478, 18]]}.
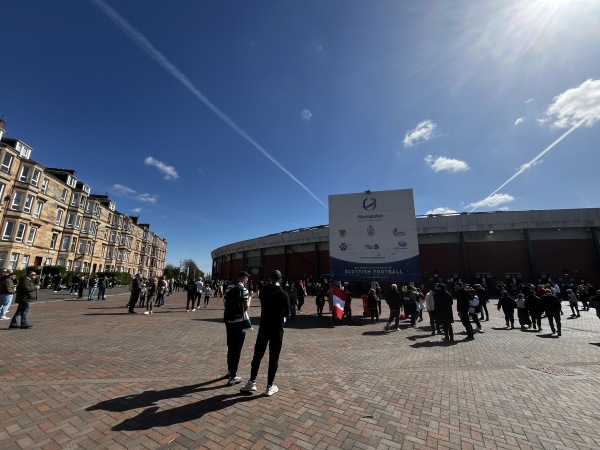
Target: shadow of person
{"points": [[149, 398], [440, 343], [152, 417]]}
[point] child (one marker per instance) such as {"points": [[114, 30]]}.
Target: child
{"points": [[320, 301]]}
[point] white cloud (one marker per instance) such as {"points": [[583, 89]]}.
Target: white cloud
{"points": [[441, 211], [575, 105], [519, 121], [136, 210], [492, 201], [168, 171], [424, 131], [529, 100], [147, 198], [529, 165], [306, 115], [119, 189], [442, 163]]}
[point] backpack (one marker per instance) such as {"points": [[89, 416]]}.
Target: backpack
{"points": [[234, 304]]}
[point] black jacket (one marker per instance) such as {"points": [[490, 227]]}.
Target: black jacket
{"points": [[392, 298], [274, 306]]}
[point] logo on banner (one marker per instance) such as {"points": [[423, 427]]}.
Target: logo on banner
{"points": [[397, 232], [401, 245], [371, 230], [343, 247], [342, 233], [369, 204]]}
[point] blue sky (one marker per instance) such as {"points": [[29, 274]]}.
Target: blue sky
{"points": [[220, 121]]}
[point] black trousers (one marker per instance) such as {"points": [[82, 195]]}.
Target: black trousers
{"points": [[319, 311], [235, 342], [449, 332], [394, 315], [509, 317], [273, 337], [484, 310], [435, 326], [190, 298], [133, 300], [554, 316], [464, 319]]}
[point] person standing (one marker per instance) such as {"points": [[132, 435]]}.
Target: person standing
{"points": [[7, 291], [92, 288], [551, 304], [207, 292], [150, 294], [26, 294], [199, 289], [393, 299], [372, 302], [300, 294], [462, 307], [192, 291], [508, 305], [136, 288], [484, 298], [275, 308], [102, 285], [443, 311], [573, 303], [237, 301], [320, 302], [430, 306], [292, 293]]}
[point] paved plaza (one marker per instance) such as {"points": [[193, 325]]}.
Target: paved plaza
{"points": [[91, 376]]}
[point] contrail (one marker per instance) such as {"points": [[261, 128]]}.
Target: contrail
{"points": [[530, 163], [161, 59]]}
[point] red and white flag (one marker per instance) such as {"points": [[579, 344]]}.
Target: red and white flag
{"points": [[339, 301]]}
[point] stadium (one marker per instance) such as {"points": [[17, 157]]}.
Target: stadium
{"points": [[485, 247]]}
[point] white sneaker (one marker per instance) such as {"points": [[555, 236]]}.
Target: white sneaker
{"points": [[234, 380], [187, 310], [147, 312], [271, 390], [4, 317], [249, 386], [194, 309]]}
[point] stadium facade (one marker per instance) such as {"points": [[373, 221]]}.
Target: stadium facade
{"points": [[509, 246]]}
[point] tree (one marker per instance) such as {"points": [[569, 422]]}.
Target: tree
{"points": [[190, 269]]}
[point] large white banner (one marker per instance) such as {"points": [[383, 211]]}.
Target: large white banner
{"points": [[373, 236]]}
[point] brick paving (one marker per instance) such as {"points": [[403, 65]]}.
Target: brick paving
{"points": [[88, 375]]}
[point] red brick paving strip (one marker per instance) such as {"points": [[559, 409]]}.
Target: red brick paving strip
{"points": [[88, 375]]}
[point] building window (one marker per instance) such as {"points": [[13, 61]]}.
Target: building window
{"points": [[77, 222], [48, 262], [12, 263], [103, 251], [81, 246], [17, 199], [73, 244], [53, 240], [65, 243], [59, 215], [2, 259], [69, 222], [8, 230], [44, 185], [75, 199], [24, 262], [77, 266], [28, 203], [89, 248], [25, 172], [106, 233], [20, 232], [60, 262], [35, 178], [69, 264], [63, 197], [38, 210], [31, 236], [6, 162]]}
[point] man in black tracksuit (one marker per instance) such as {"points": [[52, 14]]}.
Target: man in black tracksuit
{"points": [[462, 306], [274, 309], [551, 304]]}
